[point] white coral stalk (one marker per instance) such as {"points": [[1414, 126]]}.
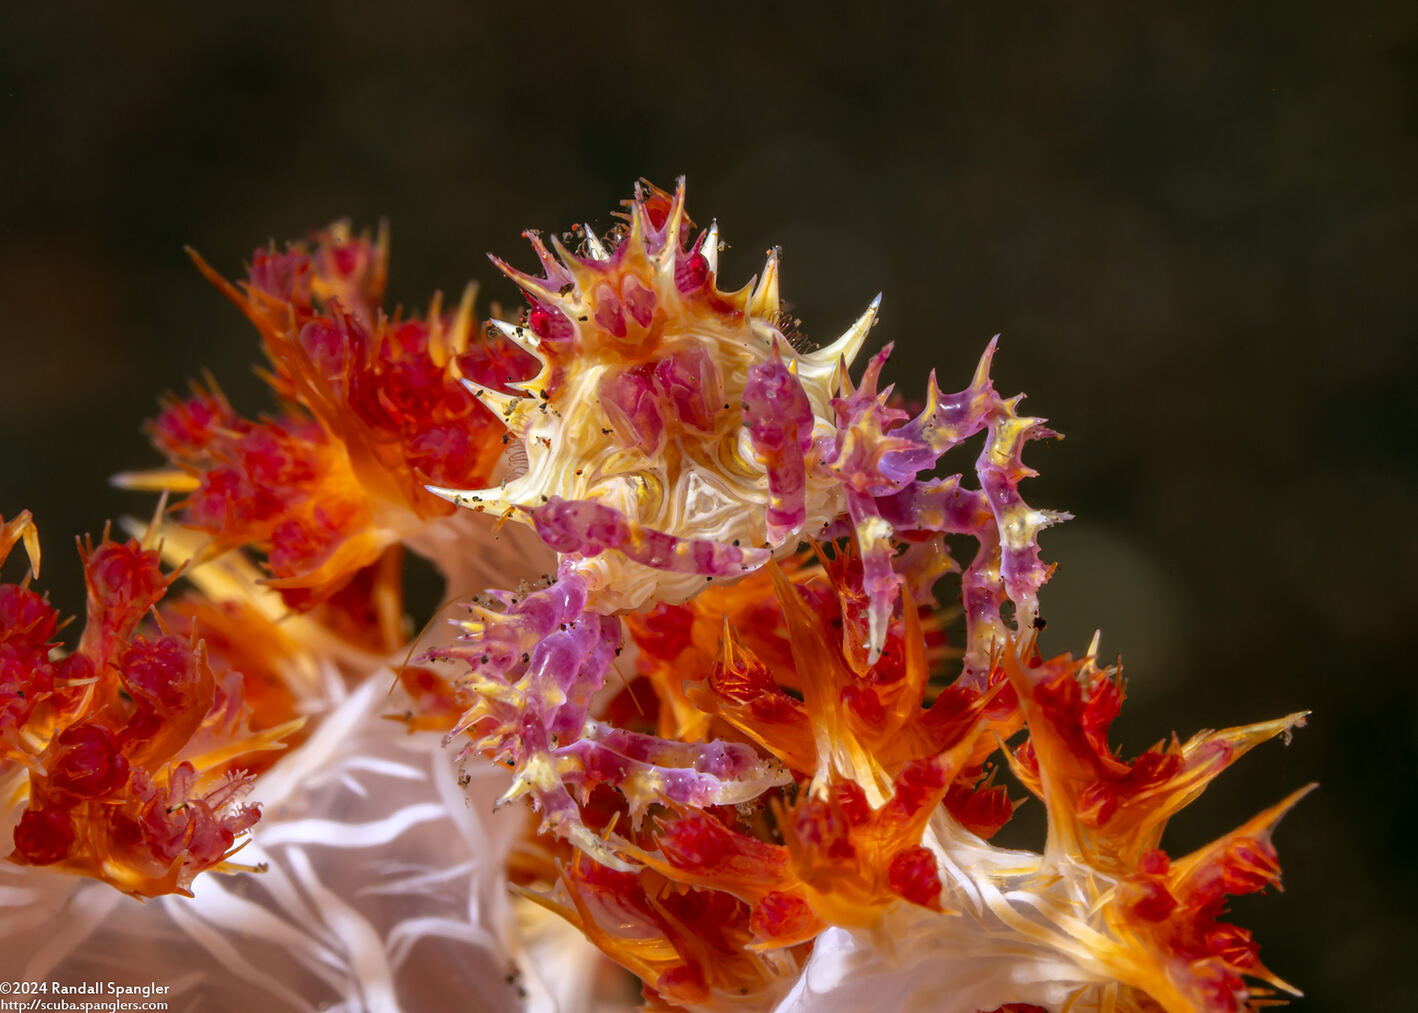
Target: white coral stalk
{"points": [[383, 887]]}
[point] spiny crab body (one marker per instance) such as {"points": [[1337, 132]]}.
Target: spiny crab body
{"points": [[672, 435]]}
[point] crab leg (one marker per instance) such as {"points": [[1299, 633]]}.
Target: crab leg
{"points": [[587, 528], [779, 420]]}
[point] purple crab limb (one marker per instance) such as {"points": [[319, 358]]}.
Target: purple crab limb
{"points": [[533, 669], [586, 528], [540, 777], [950, 419], [879, 580], [867, 456], [940, 505], [527, 617], [944, 507], [1000, 469], [998, 571], [878, 457], [568, 668], [543, 657], [780, 421], [651, 770]]}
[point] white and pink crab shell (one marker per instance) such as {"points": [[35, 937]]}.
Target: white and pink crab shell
{"points": [[670, 422]]}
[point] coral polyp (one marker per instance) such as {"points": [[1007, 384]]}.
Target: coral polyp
{"points": [[127, 760], [373, 410]]}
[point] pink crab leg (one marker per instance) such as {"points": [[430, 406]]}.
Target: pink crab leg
{"points": [[950, 419], [872, 462], [940, 504], [943, 506], [647, 769], [780, 420], [879, 580], [544, 656], [538, 776], [587, 528], [1001, 469], [878, 456], [533, 670]]}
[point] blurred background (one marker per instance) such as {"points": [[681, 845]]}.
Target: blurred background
{"points": [[1195, 226]]}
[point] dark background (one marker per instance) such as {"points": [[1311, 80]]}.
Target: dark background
{"points": [[1196, 228]]}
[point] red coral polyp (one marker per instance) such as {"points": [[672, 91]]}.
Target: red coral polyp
{"points": [[44, 836], [373, 409], [109, 738], [84, 762]]}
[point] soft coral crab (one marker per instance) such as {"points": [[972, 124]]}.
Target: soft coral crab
{"points": [[674, 436]]}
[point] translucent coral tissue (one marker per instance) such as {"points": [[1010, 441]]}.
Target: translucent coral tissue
{"points": [[707, 634]]}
